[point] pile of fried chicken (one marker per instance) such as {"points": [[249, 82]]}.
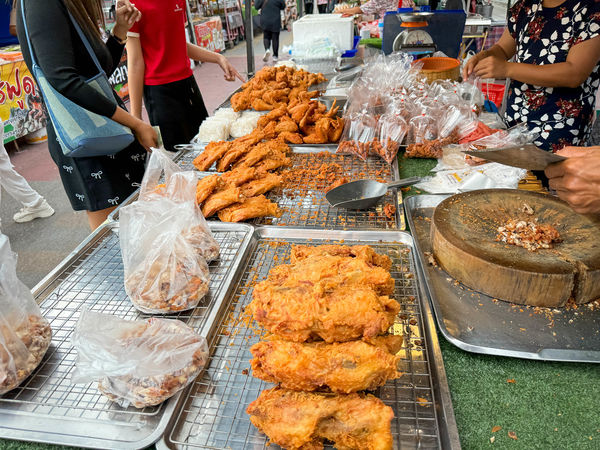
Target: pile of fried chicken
{"points": [[273, 87], [303, 122], [236, 195], [329, 312]]}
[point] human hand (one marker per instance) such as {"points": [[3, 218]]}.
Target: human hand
{"points": [[471, 63], [126, 15], [577, 179], [491, 67], [146, 135], [229, 72], [351, 11]]}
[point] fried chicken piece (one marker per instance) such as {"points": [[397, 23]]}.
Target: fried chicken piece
{"points": [[325, 271], [235, 152], [342, 367], [302, 420], [272, 163], [335, 132], [249, 209], [288, 126], [299, 312], [240, 101], [292, 138], [364, 252], [239, 175], [206, 186], [220, 200], [212, 152], [298, 112], [261, 185], [320, 135], [258, 104], [276, 96]]}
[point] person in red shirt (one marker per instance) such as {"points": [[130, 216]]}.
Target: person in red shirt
{"points": [[159, 71]]}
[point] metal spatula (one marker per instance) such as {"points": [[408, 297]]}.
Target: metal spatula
{"points": [[526, 156], [363, 194]]}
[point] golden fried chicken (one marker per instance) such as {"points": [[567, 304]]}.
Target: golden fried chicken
{"points": [[342, 367], [235, 152], [206, 186], [301, 312], [221, 199], [265, 183], [364, 252], [213, 152], [303, 420], [250, 208], [288, 126], [273, 162], [292, 138], [325, 271], [239, 175]]}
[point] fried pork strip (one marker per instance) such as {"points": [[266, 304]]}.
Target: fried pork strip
{"points": [[213, 152], [301, 312], [324, 272], [220, 200], [206, 186], [272, 163], [342, 367], [363, 252], [239, 175], [302, 420], [261, 185], [250, 208], [235, 152]]}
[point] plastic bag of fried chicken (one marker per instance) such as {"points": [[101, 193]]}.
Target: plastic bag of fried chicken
{"points": [[391, 130], [359, 133], [139, 363], [24, 334], [165, 242]]}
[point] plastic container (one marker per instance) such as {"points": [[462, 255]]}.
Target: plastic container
{"points": [[351, 53], [340, 30], [494, 92]]}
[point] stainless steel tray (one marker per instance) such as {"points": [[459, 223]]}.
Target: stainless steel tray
{"points": [[308, 208], [213, 416], [47, 407], [474, 322]]}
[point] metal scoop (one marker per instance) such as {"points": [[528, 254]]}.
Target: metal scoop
{"points": [[363, 194]]}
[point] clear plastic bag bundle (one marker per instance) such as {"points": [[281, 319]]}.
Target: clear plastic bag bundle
{"points": [[139, 363], [359, 132], [24, 334], [165, 241], [391, 131]]}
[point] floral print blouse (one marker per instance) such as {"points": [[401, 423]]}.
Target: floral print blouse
{"points": [[561, 116]]}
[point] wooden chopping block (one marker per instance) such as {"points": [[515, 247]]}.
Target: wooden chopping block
{"points": [[464, 230]]}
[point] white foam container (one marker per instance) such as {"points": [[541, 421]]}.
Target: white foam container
{"points": [[340, 30]]}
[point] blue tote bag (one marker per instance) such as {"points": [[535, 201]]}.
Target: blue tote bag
{"points": [[81, 133]]}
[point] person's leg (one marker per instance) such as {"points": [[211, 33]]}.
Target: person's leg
{"points": [[97, 218], [267, 36], [322, 8], [275, 45], [14, 183]]}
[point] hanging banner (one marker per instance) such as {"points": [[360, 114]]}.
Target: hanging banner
{"points": [[21, 109], [209, 34]]}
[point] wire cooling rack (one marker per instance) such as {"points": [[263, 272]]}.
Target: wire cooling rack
{"points": [[214, 416], [47, 407], [304, 203]]}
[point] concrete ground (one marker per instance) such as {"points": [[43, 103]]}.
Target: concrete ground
{"points": [[43, 243]]}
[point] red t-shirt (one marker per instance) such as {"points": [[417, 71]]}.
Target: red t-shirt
{"points": [[162, 36]]}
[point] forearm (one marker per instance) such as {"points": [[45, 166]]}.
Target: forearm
{"points": [[200, 54], [564, 74], [124, 118], [136, 88]]}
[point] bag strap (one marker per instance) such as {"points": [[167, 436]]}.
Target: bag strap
{"points": [[80, 32]]}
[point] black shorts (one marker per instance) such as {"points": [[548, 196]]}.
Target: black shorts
{"points": [[177, 109]]}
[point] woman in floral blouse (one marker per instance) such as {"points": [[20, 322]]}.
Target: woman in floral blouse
{"points": [[555, 76]]}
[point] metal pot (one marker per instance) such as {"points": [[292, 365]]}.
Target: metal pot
{"points": [[484, 10]]}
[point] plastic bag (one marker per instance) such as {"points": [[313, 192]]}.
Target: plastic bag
{"points": [[139, 363], [391, 130], [165, 241], [359, 132], [24, 334]]}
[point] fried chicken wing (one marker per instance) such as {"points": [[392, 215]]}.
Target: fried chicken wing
{"points": [[261, 185], [220, 200], [299, 312], [292, 138], [250, 208], [273, 163], [258, 104], [206, 186], [213, 152], [235, 152], [288, 126], [302, 420], [364, 252], [342, 367]]}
